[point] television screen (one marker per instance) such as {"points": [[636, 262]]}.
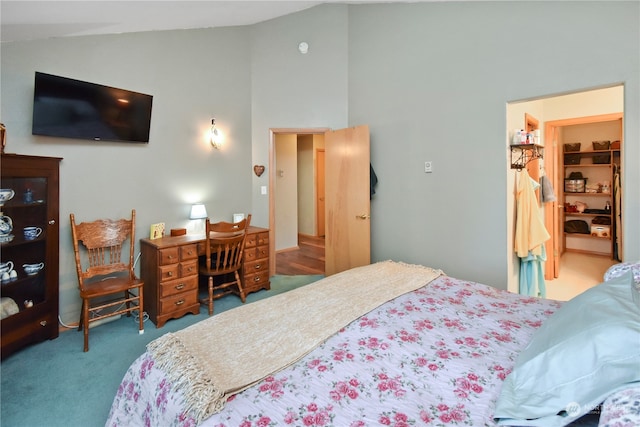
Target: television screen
{"points": [[69, 108]]}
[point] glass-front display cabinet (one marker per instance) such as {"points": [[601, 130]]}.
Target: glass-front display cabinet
{"points": [[29, 236]]}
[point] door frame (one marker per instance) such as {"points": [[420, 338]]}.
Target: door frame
{"points": [[273, 132]]}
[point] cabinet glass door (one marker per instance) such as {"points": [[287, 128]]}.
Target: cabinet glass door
{"points": [[23, 234]]}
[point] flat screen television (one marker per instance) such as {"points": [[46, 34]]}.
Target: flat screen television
{"points": [[69, 108]]}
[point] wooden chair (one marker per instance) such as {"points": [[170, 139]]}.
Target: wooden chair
{"points": [[223, 259], [108, 286]]}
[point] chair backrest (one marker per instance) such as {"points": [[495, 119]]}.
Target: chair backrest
{"points": [[102, 246], [225, 244]]}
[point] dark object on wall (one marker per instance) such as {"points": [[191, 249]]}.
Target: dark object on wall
{"points": [[68, 108], [576, 226], [373, 181]]}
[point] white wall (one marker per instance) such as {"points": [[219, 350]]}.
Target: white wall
{"points": [[431, 80]]}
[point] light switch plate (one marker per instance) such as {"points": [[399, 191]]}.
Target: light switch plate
{"points": [[428, 167]]}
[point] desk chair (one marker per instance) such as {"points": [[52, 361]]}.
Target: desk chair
{"points": [[223, 259], [108, 286]]}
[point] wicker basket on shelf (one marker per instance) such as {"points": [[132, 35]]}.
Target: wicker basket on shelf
{"points": [[601, 145], [574, 146]]}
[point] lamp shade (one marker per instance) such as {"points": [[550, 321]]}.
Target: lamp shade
{"points": [[198, 211]]}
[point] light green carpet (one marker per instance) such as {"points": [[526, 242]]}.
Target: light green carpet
{"points": [[54, 383]]}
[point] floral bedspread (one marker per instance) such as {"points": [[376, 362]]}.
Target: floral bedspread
{"points": [[436, 356]]}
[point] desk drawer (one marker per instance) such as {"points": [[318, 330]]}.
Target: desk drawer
{"points": [[188, 252], [178, 301], [251, 241], [189, 268], [177, 286], [250, 254], [262, 238], [262, 252], [169, 256], [168, 272], [256, 266], [253, 282]]}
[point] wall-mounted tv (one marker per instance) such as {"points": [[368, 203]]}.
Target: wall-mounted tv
{"points": [[68, 108]]}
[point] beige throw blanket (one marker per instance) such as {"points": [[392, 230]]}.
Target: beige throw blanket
{"points": [[227, 353]]}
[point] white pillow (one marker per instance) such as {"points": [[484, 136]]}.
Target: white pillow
{"points": [[585, 351]]}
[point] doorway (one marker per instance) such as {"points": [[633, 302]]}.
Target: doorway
{"points": [[347, 205], [294, 179], [588, 103]]}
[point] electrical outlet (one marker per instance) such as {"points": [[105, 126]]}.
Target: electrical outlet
{"points": [[428, 167]]}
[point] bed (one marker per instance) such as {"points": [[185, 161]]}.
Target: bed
{"points": [[446, 352]]}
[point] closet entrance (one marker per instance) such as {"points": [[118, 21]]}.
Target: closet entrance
{"points": [[555, 115], [587, 218]]}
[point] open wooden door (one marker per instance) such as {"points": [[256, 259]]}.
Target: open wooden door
{"points": [[347, 198]]}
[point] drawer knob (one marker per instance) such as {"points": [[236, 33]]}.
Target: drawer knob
{"points": [[180, 286], [258, 266], [170, 274], [256, 279], [180, 302], [43, 323]]}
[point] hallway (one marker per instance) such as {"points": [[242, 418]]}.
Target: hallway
{"points": [[307, 259]]}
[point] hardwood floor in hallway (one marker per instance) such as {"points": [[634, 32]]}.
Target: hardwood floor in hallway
{"points": [[307, 259]]}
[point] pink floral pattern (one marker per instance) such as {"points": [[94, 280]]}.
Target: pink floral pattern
{"points": [[435, 356]]}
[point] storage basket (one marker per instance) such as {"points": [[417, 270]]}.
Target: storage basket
{"points": [[615, 145], [602, 159], [601, 145], [572, 159], [575, 185], [601, 230], [574, 146]]}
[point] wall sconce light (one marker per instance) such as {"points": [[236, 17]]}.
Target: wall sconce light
{"points": [[215, 137], [198, 211]]}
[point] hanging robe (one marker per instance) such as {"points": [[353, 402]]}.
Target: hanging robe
{"points": [[530, 236]]}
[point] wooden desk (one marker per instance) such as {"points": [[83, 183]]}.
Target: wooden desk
{"points": [[169, 268]]}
